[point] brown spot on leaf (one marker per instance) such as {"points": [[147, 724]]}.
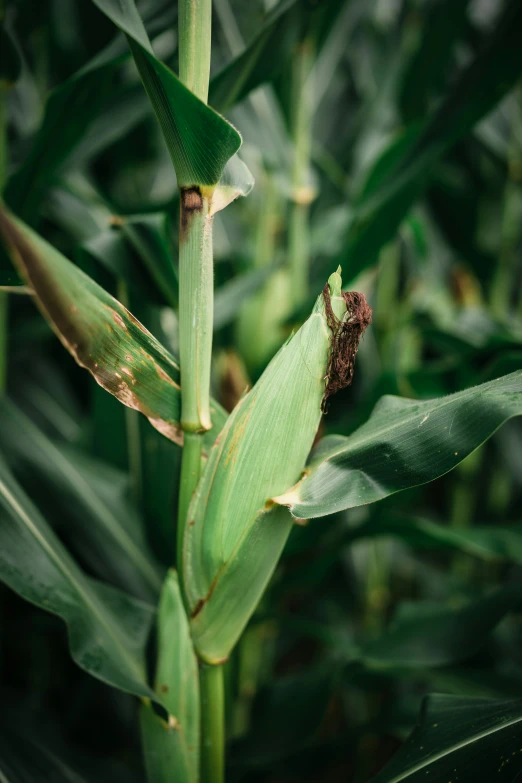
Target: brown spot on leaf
{"points": [[119, 320], [346, 335]]}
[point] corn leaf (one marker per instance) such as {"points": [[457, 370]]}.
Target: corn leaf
{"points": [[102, 336], [137, 252], [485, 542], [90, 489], [430, 634], [281, 29], [107, 628], [460, 739], [69, 111], [199, 140], [403, 444], [256, 64], [173, 744], [380, 208]]}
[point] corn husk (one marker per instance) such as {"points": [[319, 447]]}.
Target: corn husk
{"points": [[235, 532]]}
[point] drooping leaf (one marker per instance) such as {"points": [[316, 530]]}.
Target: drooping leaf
{"points": [[380, 209], [104, 337], [107, 628], [106, 518], [173, 744], [199, 140], [403, 444], [460, 740]]}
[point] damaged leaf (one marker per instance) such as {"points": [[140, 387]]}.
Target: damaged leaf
{"points": [[100, 333]]}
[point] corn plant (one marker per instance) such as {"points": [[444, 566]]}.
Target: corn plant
{"points": [[231, 460]]}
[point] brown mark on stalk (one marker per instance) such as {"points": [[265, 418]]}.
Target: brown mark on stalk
{"points": [[191, 203], [346, 335]]}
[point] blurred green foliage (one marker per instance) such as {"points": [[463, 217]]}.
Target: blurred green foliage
{"points": [[414, 185]]}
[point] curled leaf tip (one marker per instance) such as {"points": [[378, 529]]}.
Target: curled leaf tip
{"points": [[346, 335]]}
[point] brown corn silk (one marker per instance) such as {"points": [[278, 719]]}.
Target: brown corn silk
{"points": [[346, 336]]}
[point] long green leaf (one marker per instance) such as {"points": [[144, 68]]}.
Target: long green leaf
{"points": [[199, 140], [110, 526], [462, 741], [107, 628], [104, 337], [403, 444], [380, 209]]}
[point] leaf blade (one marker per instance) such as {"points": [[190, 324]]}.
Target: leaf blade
{"points": [[101, 334], [403, 444], [107, 628]]}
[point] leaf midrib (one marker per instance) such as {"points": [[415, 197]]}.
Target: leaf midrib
{"points": [[453, 748], [390, 427]]}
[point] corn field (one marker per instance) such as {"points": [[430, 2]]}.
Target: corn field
{"points": [[260, 380]]}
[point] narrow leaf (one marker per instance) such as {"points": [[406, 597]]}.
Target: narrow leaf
{"points": [[107, 628], [112, 527], [403, 444]]}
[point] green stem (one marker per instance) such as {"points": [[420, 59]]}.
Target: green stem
{"points": [[212, 724], [190, 472], [196, 283], [196, 304], [195, 27], [302, 193]]}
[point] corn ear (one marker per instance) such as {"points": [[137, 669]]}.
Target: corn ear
{"points": [[235, 532]]}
